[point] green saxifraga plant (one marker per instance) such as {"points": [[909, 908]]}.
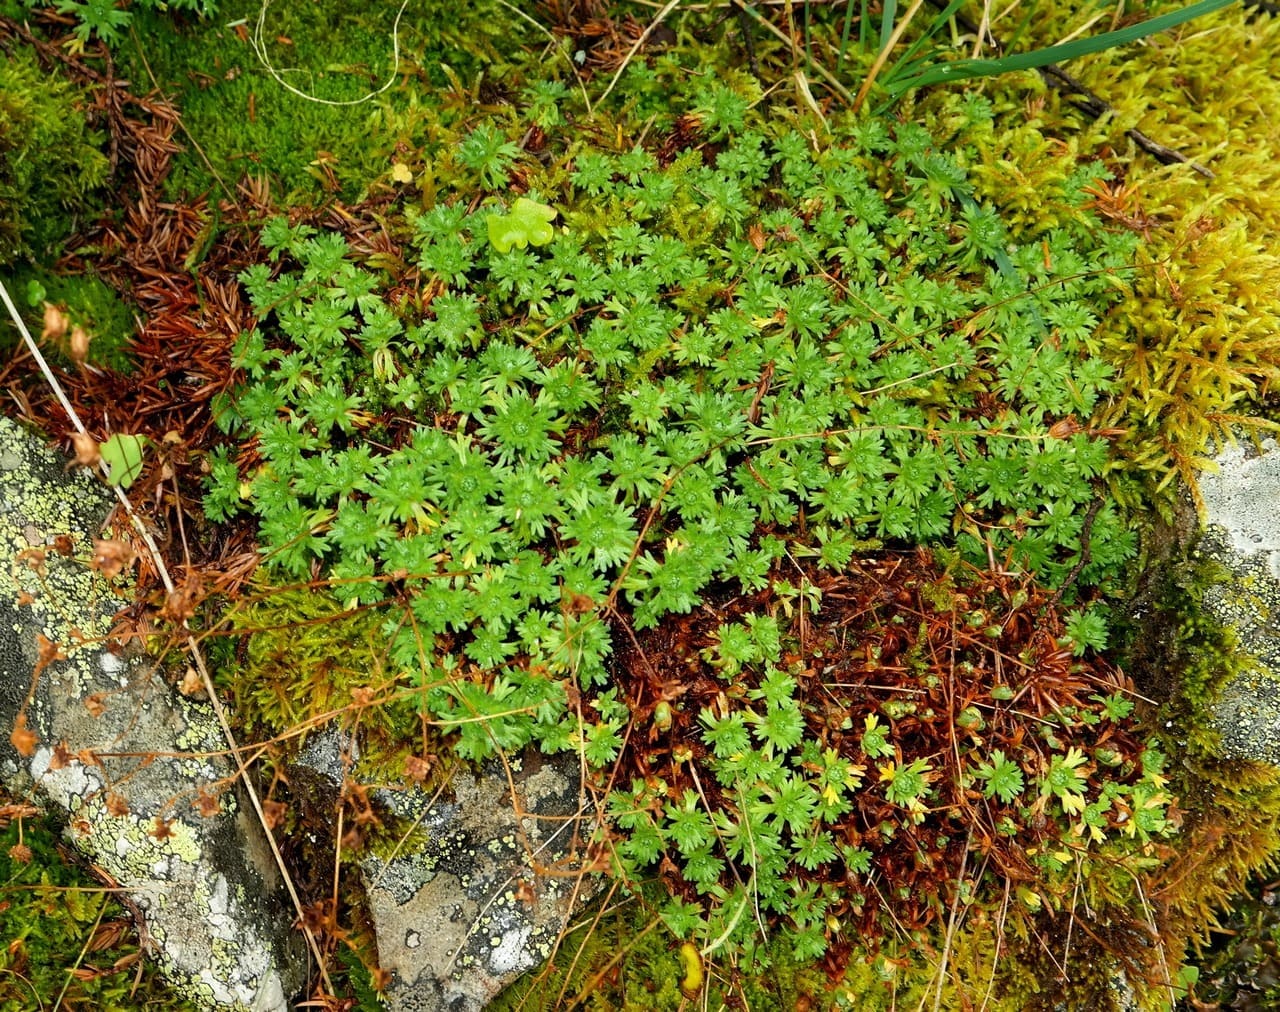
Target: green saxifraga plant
{"points": [[701, 371], [680, 365]]}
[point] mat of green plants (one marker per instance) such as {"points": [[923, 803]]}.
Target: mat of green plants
{"points": [[774, 405]]}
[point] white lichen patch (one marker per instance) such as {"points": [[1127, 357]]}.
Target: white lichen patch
{"points": [[1242, 535], [1241, 497]]}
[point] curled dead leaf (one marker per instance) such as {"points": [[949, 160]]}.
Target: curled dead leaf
{"points": [[1065, 428], [23, 738], [417, 768], [62, 756], [191, 684], [78, 346], [47, 652], [273, 813], [33, 558], [55, 322], [116, 804], [86, 448], [206, 805], [109, 934], [111, 557]]}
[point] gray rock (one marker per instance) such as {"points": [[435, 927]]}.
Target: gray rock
{"points": [[484, 897], [111, 736], [1241, 532]]}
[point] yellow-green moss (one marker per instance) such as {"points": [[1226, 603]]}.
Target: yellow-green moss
{"points": [[308, 663]]}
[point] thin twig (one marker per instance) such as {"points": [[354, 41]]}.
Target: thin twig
{"points": [[260, 51], [744, 26], [1091, 103]]}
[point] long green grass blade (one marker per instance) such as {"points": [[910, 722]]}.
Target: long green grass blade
{"points": [[906, 59], [886, 22], [844, 35], [962, 70]]}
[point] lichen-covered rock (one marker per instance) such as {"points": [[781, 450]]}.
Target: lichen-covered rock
{"points": [[1241, 533], [486, 897], [130, 764]]}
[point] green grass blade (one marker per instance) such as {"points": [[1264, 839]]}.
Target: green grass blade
{"points": [[886, 22], [906, 60], [844, 34], [962, 70]]}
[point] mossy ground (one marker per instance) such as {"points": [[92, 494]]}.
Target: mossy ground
{"points": [[230, 76], [66, 938], [1195, 343]]}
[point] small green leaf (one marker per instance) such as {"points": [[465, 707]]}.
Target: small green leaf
{"points": [[527, 222], [123, 456], [36, 293]]}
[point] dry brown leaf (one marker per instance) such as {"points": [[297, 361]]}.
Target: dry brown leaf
{"points": [[109, 934], [55, 322], [23, 738], [273, 813], [417, 768], [17, 810], [116, 804], [86, 448], [21, 853], [1065, 428], [33, 558], [78, 347], [47, 652], [62, 756], [112, 557], [192, 684], [206, 805]]}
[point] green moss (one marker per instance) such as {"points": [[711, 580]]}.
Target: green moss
{"points": [[308, 662], [51, 167], [1197, 343], [88, 301], [66, 939], [239, 119]]}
